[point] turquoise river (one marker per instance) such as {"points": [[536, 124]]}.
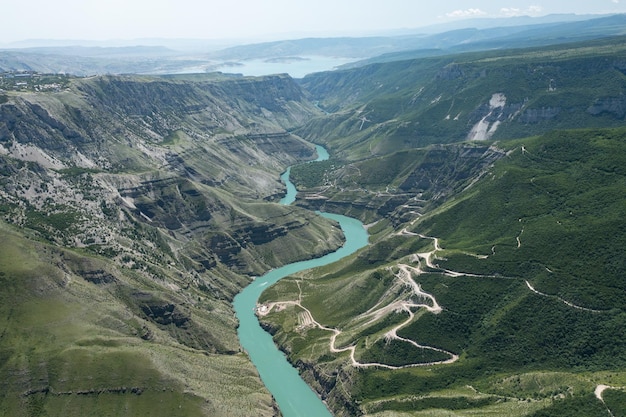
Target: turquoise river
{"points": [[293, 396]]}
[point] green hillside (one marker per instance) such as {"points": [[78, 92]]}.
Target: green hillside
{"points": [[134, 208], [81, 346], [529, 278], [566, 187], [515, 93]]}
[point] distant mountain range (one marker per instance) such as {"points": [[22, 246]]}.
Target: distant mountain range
{"points": [[473, 35], [164, 56]]}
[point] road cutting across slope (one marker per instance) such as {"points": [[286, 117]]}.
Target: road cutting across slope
{"points": [[413, 299], [404, 277]]}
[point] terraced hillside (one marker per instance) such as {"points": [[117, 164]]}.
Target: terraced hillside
{"points": [[132, 211]]}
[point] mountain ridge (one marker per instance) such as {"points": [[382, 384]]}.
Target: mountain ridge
{"points": [[139, 244], [133, 208], [145, 57]]}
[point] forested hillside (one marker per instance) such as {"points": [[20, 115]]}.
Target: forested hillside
{"points": [[493, 283]]}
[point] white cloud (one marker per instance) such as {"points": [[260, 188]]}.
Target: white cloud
{"points": [[530, 11], [616, 1], [510, 11], [466, 13]]}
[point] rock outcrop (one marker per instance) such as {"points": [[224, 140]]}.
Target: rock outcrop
{"points": [[147, 204]]}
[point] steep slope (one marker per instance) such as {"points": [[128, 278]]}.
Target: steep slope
{"points": [[505, 299], [394, 187], [133, 209], [383, 108]]}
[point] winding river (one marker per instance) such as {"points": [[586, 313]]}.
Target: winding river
{"points": [[294, 397]]}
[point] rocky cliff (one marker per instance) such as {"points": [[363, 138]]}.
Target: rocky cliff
{"points": [[149, 200], [474, 96]]}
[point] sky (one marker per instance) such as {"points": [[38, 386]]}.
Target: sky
{"points": [[256, 19]]}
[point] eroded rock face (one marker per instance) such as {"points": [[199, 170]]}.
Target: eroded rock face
{"points": [[140, 114], [232, 248], [175, 317], [331, 387], [612, 105], [450, 72], [171, 202], [98, 277], [166, 314], [534, 115], [226, 248], [442, 171]]}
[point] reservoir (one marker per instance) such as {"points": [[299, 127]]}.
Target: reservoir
{"points": [[294, 397], [296, 67]]}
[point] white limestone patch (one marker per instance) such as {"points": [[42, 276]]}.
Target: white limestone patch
{"points": [[83, 161], [498, 100], [479, 131], [152, 152], [484, 130], [32, 153]]}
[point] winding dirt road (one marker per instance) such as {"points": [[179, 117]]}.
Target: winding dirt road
{"points": [[415, 298], [570, 304], [404, 277]]}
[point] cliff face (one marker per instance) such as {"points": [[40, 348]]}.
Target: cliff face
{"points": [[148, 198], [479, 96], [615, 106], [96, 113], [400, 186]]}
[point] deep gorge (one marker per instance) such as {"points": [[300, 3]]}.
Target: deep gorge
{"points": [[133, 209]]}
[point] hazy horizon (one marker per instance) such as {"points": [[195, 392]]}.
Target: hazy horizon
{"points": [[249, 20]]}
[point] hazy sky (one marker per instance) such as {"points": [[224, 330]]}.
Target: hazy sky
{"points": [[210, 19]]}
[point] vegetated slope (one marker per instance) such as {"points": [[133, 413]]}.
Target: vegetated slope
{"points": [[520, 275], [565, 191], [393, 187], [526, 33], [383, 108], [132, 210]]}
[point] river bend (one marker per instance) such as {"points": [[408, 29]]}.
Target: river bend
{"points": [[293, 396]]}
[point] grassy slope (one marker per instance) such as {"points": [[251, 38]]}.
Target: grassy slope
{"points": [[140, 324], [72, 347], [563, 197]]}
